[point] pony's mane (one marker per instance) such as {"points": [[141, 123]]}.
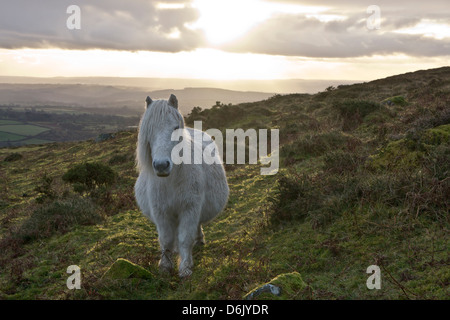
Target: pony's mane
{"points": [[157, 112]]}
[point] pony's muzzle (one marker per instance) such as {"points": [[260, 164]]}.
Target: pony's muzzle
{"points": [[162, 167]]}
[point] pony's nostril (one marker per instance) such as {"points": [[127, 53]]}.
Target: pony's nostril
{"points": [[161, 166]]}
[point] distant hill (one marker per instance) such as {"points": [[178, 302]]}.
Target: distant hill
{"points": [[363, 181], [280, 86], [101, 96]]}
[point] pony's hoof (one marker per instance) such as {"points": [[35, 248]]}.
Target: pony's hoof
{"points": [[185, 273], [200, 242], [165, 265]]}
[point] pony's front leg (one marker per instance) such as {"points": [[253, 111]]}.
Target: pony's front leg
{"points": [[187, 234], [166, 236]]}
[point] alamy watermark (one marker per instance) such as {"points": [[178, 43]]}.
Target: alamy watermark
{"points": [[73, 281], [73, 22], [374, 20], [257, 147], [374, 281]]}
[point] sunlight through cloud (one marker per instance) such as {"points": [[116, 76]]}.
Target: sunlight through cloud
{"points": [[226, 20], [428, 28]]}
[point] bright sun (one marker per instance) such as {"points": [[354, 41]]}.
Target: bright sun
{"points": [[225, 20]]}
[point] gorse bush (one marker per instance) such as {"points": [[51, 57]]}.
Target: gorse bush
{"points": [[362, 108], [354, 111], [45, 189], [13, 157], [317, 199], [296, 126], [118, 159], [59, 216], [294, 197], [315, 144], [87, 177]]}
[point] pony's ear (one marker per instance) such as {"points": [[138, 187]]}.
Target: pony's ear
{"points": [[148, 101], [173, 101]]}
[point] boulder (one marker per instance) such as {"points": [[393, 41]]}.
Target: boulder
{"points": [[104, 136], [124, 269], [285, 286]]}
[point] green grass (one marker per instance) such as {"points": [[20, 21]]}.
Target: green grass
{"points": [[6, 136], [371, 190], [36, 141], [8, 122], [23, 129]]}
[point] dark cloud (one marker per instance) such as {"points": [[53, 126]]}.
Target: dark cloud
{"points": [[298, 35], [142, 25], [105, 24]]}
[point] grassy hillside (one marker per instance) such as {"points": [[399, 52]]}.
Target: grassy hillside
{"points": [[363, 181]]}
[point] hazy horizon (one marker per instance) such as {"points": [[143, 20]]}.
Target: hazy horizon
{"points": [[274, 86]]}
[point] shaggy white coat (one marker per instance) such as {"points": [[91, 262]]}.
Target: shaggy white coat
{"points": [[179, 198]]}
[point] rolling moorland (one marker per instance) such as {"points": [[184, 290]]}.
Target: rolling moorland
{"points": [[46, 125], [43, 110], [115, 100], [363, 180], [43, 113]]}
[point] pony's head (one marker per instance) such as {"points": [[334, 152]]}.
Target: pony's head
{"points": [[155, 145]]}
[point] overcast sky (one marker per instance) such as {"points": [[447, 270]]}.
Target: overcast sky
{"points": [[223, 38]]}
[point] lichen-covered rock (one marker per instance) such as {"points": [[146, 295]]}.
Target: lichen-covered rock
{"points": [[124, 269], [397, 100], [285, 286], [104, 136]]}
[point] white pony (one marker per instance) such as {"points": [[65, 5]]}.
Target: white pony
{"points": [[177, 198]]}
